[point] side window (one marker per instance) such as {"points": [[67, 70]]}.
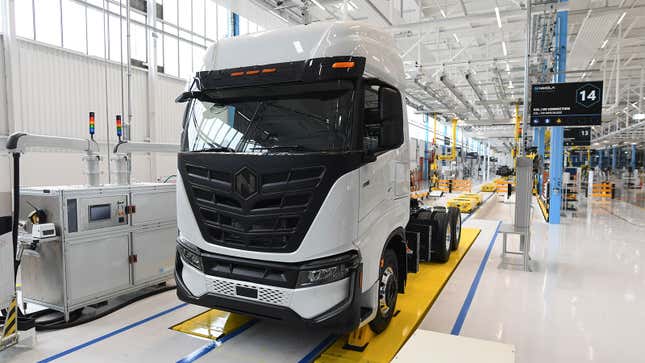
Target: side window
{"points": [[382, 118]]}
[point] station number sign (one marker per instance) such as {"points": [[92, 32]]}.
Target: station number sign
{"points": [[577, 136], [566, 104]]}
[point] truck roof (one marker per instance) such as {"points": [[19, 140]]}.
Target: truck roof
{"points": [[317, 40]]}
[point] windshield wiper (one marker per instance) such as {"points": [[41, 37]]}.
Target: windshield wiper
{"points": [[282, 148], [218, 149]]}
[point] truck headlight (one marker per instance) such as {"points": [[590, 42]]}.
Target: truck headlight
{"points": [[190, 255], [337, 268]]}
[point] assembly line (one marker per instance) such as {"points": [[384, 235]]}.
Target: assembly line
{"points": [[324, 181]]}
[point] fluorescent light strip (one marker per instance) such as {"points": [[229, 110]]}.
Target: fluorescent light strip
{"points": [[442, 13], [504, 48], [455, 36], [318, 4], [592, 62], [278, 16], [499, 20], [621, 18], [604, 44]]}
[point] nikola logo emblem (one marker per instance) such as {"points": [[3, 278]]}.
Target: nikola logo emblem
{"points": [[246, 183]]}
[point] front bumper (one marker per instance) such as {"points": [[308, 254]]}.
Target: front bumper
{"points": [[342, 317]]}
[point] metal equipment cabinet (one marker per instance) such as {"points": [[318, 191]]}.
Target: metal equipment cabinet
{"points": [[111, 240]]}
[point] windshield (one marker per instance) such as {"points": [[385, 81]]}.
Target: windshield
{"points": [[310, 117]]}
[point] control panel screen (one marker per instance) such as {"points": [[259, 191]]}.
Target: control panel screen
{"points": [[100, 212]]}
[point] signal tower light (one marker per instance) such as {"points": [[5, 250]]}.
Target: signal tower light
{"points": [[92, 124], [119, 127]]}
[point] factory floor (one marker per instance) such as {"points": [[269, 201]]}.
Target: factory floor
{"points": [[582, 302]]}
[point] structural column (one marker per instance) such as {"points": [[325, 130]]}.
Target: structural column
{"points": [[445, 137], [233, 31], [426, 164], [614, 156], [633, 161], [538, 140], [557, 133]]}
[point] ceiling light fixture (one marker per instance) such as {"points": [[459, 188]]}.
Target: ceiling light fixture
{"points": [[621, 18], [443, 13], [604, 44], [318, 4], [592, 62], [639, 116], [504, 48], [279, 16], [499, 20], [455, 36]]}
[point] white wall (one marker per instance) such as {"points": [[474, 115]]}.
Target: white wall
{"points": [[5, 186], [60, 87]]}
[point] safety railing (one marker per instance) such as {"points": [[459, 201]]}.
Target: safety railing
{"points": [[455, 185], [603, 190]]}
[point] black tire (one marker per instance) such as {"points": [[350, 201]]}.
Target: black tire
{"points": [[388, 290], [455, 227], [441, 237]]}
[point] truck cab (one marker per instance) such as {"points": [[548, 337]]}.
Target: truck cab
{"points": [[293, 188]]}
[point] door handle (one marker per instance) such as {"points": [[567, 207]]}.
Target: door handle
{"points": [[366, 183]]}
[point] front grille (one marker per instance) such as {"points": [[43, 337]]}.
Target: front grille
{"points": [[267, 295], [267, 221], [259, 202]]}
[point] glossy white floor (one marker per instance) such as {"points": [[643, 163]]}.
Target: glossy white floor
{"points": [[583, 302]]}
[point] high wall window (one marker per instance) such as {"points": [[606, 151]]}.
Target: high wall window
{"points": [[184, 29]]}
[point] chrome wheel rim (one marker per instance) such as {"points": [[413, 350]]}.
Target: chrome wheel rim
{"points": [[387, 291], [448, 237]]}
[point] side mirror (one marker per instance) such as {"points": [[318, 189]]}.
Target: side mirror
{"points": [[187, 95], [391, 116]]}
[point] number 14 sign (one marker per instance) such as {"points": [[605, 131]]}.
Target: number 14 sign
{"points": [[566, 104]]}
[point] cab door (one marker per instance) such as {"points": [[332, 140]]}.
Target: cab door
{"points": [[376, 185], [382, 134]]}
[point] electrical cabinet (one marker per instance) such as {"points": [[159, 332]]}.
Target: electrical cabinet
{"points": [[110, 241]]}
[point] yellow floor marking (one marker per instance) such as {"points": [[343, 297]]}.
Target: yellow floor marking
{"points": [[211, 324], [545, 212], [421, 291]]}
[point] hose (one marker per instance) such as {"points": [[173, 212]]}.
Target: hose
{"points": [[77, 317], [16, 211]]}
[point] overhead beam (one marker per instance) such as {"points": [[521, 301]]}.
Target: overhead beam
{"points": [[460, 96], [478, 92], [463, 7]]}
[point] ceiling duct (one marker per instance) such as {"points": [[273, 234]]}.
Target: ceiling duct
{"points": [[499, 89], [479, 94], [460, 96]]}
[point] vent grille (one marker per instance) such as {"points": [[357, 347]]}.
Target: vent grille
{"points": [[265, 294]]}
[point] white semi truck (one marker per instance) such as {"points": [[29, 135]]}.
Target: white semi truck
{"points": [[293, 195]]}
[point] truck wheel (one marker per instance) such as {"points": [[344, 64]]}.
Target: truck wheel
{"points": [[387, 291], [441, 237], [455, 226]]}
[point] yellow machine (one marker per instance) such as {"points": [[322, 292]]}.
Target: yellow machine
{"points": [[489, 187], [464, 205], [475, 196]]}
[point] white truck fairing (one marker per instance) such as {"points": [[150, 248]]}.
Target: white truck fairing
{"points": [[351, 205]]}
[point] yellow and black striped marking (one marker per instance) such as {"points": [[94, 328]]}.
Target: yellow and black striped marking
{"points": [[11, 322]]}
